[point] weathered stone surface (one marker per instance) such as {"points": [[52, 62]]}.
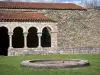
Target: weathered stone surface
{"points": [[31, 51], [76, 29], [53, 63]]}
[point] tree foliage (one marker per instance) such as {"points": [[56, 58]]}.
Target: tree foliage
{"points": [[90, 3]]}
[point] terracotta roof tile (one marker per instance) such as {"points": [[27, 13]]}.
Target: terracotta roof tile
{"points": [[32, 5], [23, 16]]}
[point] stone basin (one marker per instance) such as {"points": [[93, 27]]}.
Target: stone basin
{"points": [[55, 63]]}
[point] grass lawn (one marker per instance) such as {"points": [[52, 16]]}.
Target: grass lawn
{"points": [[11, 65]]}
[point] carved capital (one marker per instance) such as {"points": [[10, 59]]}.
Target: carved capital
{"points": [[25, 33], [39, 34], [10, 33]]}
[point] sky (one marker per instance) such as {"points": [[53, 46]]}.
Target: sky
{"points": [[56, 1], [62, 1], [80, 2]]}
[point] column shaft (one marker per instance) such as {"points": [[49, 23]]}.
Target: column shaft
{"points": [[39, 38], [54, 39], [10, 39], [25, 40]]}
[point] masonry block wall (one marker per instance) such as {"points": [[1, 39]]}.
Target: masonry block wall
{"points": [[76, 28]]}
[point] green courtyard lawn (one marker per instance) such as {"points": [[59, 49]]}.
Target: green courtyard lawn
{"points": [[11, 65]]}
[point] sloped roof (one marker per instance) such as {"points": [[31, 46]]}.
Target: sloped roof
{"points": [[33, 5], [23, 16]]}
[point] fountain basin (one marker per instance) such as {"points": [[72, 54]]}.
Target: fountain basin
{"points": [[55, 63]]}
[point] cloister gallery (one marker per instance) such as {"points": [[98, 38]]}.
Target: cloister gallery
{"points": [[32, 38], [26, 35], [25, 32]]}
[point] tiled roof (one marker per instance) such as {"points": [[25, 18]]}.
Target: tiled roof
{"points": [[23, 16], [32, 5]]}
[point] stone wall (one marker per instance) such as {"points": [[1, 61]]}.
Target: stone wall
{"points": [[76, 28], [46, 51], [31, 51]]}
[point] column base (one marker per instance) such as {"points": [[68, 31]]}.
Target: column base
{"points": [[25, 47], [10, 47], [39, 47]]}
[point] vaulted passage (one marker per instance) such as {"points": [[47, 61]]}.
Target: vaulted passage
{"points": [[46, 37], [4, 41], [32, 38], [18, 38]]}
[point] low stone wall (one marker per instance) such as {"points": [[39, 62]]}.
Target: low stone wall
{"points": [[46, 51], [79, 51], [31, 51]]}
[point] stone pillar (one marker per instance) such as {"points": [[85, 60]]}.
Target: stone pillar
{"points": [[54, 39], [10, 39], [39, 38], [25, 39]]}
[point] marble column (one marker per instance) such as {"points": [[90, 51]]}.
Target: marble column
{"points": [[39, 38], [10, 39], [25, 39]]}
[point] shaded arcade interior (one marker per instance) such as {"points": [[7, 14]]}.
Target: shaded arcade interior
{"points": [[32, 38], [4, 41], [18, 39], [46, 37]]}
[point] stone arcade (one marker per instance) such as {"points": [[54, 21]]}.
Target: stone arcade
{"points": [[43, 28], [25, 37]]}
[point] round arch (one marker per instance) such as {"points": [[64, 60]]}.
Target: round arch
{"points": [[22, 27], [46, 37], [49, 28], [32, 38], [18, 38], [4, 40], [28, 28], [8, 29]]}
